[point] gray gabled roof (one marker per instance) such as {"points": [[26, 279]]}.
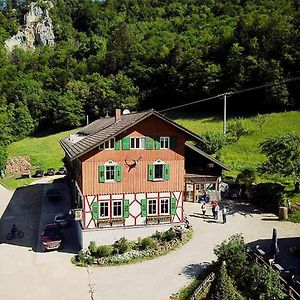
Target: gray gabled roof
{"points": [[99, 131], [217, 162]]}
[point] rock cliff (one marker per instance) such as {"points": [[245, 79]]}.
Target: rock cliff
{"points": [[37, 30]]}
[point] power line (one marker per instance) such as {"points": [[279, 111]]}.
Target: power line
{"points": [[190, 103], [231, 93], [263, 86]]}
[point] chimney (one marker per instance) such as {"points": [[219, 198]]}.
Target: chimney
{"points": [[118, 115]]}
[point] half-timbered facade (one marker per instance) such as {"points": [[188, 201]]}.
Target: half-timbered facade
{"points": [[128, 174]]}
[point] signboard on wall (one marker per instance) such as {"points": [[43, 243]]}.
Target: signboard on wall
{"points": [[189, 187], [78, 215]]}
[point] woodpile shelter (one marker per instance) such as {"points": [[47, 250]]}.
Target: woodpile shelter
{"points": [[129, 175]]}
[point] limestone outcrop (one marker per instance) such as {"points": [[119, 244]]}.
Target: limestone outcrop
{"points": [[37, 30]]}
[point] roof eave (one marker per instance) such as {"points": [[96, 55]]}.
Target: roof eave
{"points": [[196, 149]]}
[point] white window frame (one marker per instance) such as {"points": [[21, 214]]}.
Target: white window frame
{"points": [[160, 206], [110, 164], [148, 206], [141, 142], [108, 208], [117, 216], [108, 145], [158, 163], [164, 142]]}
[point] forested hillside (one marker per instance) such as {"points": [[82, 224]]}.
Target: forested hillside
{"points": [[139, 54]]}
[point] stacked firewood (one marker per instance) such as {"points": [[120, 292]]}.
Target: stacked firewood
{"points": [[18, 165]]}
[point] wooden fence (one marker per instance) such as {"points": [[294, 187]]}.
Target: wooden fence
{"points": [[203, 286]]}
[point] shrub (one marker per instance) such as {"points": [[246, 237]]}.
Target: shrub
{"points": [[222, 287], [269, 196], [213, 142], [236, 129], [233, 252], [122, 246], [246, 177], [168, 235], [93, 249], [147, 243], [263, 283], [104, 251]]}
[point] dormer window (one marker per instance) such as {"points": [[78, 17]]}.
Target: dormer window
{"points": [[137, 143], [164, 142], [108, 145]]}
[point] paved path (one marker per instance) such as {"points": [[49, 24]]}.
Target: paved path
{"points": [[52, 276]]}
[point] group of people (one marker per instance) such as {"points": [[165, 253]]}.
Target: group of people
{"points": [[215, 210]]}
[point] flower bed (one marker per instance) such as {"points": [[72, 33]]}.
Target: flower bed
{"points": [[124, 252]]}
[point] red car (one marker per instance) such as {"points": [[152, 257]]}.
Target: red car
{"points": [[51, 237]]}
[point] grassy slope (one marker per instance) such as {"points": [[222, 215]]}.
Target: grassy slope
{"points": [[245, 153], [44, 152]]}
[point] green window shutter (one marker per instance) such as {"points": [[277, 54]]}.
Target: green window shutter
{"points": [[95, 210], [126, 208], [119, 173], [126, 143], [166, 172], [149, 143], [157, 143], [150, 172], [144, 208], [117, 144], [173, 206], [101, 173], [173, 142]]}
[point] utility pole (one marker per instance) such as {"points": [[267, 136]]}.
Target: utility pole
{"points": [[224, 121]]}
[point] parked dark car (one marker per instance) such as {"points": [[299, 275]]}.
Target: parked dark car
{"points": [[51, 237], [62, 171], [53, 195], [63, 219], [38, 173], [233, 191], [50, 172]]}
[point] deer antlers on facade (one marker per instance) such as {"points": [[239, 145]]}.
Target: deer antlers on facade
{"points": [[132, 165]]}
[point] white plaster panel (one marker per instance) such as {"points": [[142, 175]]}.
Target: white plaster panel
{"points": [[129, 221], [135, 208], [117, 196], [152, 195], [129, 197], [104, 197], [165, 194], [91, 198], [140, 196], [176, 194]]}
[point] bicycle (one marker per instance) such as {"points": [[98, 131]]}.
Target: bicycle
{"points": [[17, 233]]}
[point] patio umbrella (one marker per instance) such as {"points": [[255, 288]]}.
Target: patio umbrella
{"points": [[274, 251]]}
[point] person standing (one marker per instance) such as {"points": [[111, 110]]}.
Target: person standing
{"points": [[217, 208], [224, 214], [203, 207]]}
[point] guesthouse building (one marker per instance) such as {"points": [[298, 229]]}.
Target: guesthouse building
{"points": [[131, 173]]}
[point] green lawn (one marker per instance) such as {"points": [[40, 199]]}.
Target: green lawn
{"points": [[44, 152], [245, 153]]}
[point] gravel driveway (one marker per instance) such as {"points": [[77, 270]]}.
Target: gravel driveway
{"points": [[52, 276]]}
